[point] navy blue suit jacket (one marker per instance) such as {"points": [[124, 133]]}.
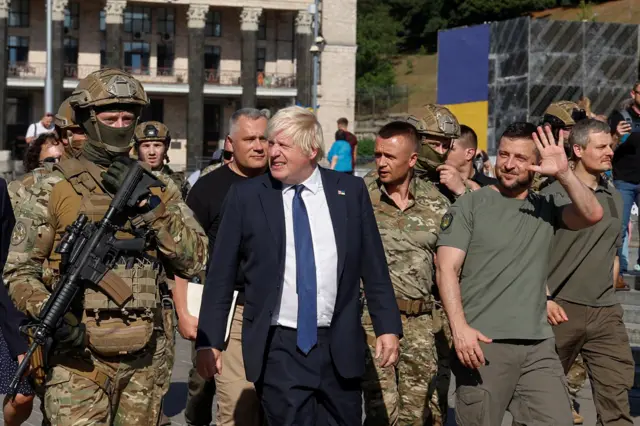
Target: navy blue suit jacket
{"points": [[252, 234]]}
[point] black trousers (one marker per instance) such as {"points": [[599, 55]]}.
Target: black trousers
{"points": [[304, 390]]}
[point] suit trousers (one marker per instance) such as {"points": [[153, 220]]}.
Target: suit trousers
{"points": [[599, 335], [306, 390], [200, 397], [522, 376]]}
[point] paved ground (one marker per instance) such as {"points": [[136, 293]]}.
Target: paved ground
{"points": [[176, 398]]}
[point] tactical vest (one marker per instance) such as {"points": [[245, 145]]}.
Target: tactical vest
{"points": [[113, 330]]}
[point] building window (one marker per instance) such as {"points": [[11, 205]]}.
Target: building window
{"points": [[70, 57], [19, 13], [137, 19], [261, 59], [165, 59], [72, 16], [103, 21], [262, 28], [136, 57], [213, 27], [166, 21], [18, 50], [103, 53], [212, 63]]}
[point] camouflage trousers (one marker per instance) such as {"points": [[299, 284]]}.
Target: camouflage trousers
{"points": [[576, 377], [163, 359], [75, 400], [414, 392]]}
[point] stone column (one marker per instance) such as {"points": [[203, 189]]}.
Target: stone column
{"points": [[196, 20], [304, 59], [57, 56], [249, 20], [114, 18], [4, 58]]}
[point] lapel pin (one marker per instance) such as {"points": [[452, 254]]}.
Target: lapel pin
{"points": [[340, 192]]}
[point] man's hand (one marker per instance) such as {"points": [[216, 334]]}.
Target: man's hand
{"points": [[555, 314], [387, 350], [208, 363], [465, 340], [71, 333], [623, 128], [188, 326], [553, 159], [450, 177]]}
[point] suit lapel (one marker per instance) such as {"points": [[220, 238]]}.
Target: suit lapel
{"points": [[336, 200], [271, 200]]}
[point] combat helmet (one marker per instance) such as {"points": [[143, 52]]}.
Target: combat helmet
{"points": [[107, 90], [563, 114], [437, 121], [65, 123], [151, 131]]}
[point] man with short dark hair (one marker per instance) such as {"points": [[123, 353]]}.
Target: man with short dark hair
{"points": [[343, 125], [582, 304], [408, 211], [493, 252], [462, 154], [45, 125], [237, 403]]}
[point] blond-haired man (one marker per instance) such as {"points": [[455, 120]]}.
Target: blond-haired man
{"points": [[303, 343]]}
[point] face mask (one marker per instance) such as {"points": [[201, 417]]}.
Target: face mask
{"points": [[429, 160]]}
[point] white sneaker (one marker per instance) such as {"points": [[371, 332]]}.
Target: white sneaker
{"points": [[636, 268]]}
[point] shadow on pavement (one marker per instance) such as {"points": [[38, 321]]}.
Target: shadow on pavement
{"points": [[176, 399]]}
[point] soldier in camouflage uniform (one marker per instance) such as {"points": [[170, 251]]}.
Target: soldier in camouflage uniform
{"points": [[152, 140], [154, 137], [408, 210], [100, 371]]}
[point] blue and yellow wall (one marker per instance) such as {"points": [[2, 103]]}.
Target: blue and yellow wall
{"points": [[463, 76]]}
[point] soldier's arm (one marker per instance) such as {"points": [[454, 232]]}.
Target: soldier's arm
{"points": [[181, 240], [31, 243]]}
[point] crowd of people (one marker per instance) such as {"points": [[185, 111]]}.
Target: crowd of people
{"points": [[320, 288]]}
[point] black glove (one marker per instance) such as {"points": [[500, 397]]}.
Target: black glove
{"points": [[115, 175], [71, 333]]}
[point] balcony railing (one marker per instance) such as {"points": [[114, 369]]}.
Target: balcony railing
{"points": [[35, 71]]}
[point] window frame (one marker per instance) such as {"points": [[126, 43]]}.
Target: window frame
{"points": [[19, 14], [211, 25], [22, 45], [161, 19], [144, 68], [129, 19], [263, 59], [72, 16]]}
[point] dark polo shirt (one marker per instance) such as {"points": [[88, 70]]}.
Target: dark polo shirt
{"points": [[581, 265]]}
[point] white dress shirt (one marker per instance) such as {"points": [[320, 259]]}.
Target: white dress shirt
{"points": [[324, 251]]}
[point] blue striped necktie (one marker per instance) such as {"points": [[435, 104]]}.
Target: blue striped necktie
{"points": [[305, 275]]}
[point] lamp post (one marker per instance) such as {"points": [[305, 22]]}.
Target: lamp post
{"points": [[48, 84], [316, 49]]}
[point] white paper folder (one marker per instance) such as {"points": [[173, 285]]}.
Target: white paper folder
{"points": [[194, 301]]}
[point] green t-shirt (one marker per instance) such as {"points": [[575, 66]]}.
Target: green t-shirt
{"points": [[581, 265], [507, 244]]}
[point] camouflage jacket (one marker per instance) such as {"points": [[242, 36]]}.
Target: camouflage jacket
{"points": [[209, 169], [178, 237], [18, 188], [409, 236], [178, 178]]}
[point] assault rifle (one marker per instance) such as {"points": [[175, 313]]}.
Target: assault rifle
{"points": [[89, 251]]}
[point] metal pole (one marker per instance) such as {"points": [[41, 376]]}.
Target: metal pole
{"points": [[314, 88], [48, 84]]}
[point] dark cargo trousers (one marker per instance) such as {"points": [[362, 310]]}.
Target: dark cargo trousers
{"points": [[599, 334], [522, 376], [200, 397]]}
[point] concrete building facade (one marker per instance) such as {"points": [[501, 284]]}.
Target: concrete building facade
{"points": [[199, 60]]}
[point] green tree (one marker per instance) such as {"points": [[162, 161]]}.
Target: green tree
{"points": [[377, 44]]}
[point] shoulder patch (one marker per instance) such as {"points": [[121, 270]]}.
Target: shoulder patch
{"points": [[19, 234], [446, 221]]}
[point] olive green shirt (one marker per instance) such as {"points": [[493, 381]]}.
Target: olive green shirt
{"points": [[409, 236], [581, 266], [507, 244]]}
